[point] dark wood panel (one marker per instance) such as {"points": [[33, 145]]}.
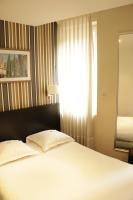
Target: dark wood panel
{"points": [[18, 124]]}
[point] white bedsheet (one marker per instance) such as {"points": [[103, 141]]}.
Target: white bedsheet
{"points": [[67, 172], [125, 128]]}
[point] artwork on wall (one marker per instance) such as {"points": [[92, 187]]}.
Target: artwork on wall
{"points": [[14, 65]]}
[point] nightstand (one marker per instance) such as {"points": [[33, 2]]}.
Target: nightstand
{"points": [[130, 156]]}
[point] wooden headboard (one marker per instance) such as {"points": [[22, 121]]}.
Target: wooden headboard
{"points": [[18, 124]]}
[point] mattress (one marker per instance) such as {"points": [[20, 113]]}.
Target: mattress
{"points": [[125, 128], [67, 172]]}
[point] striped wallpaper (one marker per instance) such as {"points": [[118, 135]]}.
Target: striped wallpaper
{"points": [[41, 42]]}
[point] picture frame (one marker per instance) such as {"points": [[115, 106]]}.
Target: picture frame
{"points": [[14, 65]]}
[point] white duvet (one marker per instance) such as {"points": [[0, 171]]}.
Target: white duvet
{"points": [[67, 172], [125, 128]]}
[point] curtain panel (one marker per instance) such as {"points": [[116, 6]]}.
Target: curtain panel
{"points": [[75, 78]]}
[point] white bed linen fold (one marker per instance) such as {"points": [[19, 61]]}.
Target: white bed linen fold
{"points": [[67, 172]]}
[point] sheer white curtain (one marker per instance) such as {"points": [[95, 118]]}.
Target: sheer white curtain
{"points": [[75, 77]]}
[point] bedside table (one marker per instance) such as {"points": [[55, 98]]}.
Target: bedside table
{"points": [[130, 156]]}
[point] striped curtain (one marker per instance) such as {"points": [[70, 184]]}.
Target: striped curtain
{"points": [[74, 69], [45, 62], [40, 41]]}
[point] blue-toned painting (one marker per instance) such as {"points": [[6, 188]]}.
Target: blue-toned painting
{"points": [[14, 65]]}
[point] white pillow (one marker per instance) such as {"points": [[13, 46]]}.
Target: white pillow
{"points": [[49, 139], [14, 149], [34, 146]]}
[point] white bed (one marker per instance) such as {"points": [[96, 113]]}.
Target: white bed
{"points": [[67, 172]]}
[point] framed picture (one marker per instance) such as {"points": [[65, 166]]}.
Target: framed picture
{"points": [[14, 65]]}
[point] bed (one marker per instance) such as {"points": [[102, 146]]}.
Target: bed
{"points": [[124, 132], [68, 171]]}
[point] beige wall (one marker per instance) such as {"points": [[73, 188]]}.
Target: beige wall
{"points": [[110, 23]]}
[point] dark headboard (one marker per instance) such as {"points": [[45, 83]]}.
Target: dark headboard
{"points": [[18, 124]]}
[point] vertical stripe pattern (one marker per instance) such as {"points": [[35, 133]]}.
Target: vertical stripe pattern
{"points": [[39, 41]]}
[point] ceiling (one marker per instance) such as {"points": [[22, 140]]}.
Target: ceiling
{"points": [[36, 12]]}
